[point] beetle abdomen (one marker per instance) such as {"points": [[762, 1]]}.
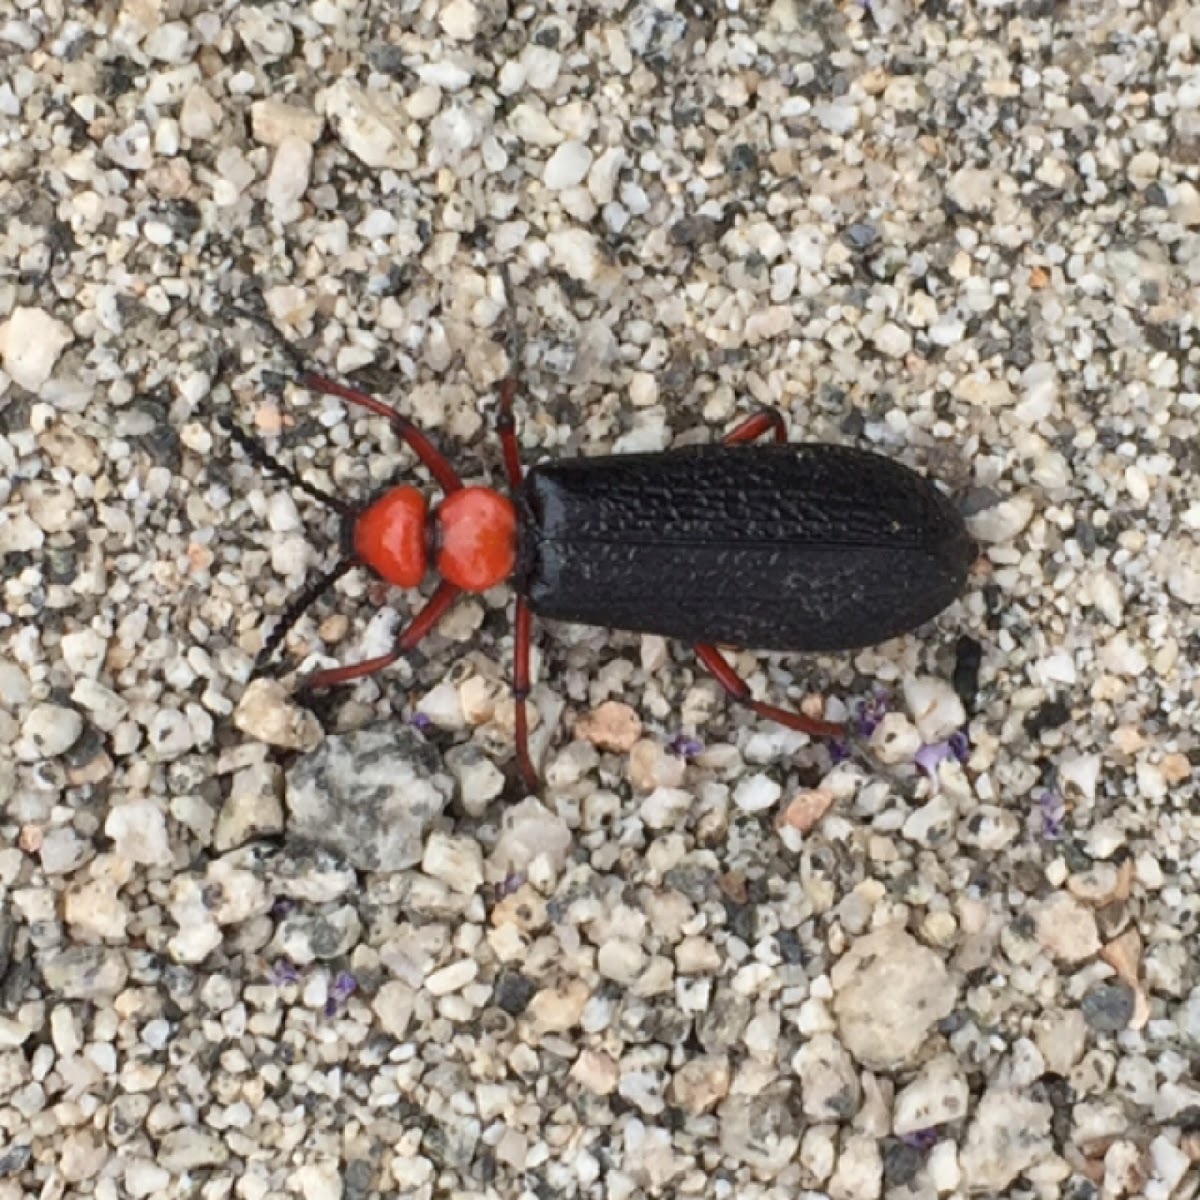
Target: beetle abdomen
{"points": [[790, 547]]}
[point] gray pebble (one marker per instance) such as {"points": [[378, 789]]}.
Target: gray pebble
{"points": [[370, 796]]}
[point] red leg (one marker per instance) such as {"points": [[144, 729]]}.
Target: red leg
{"points": [[421, 624], [506, 426], [754, 427], [425, 450], [521, 647], [736, 686], [764, 421]]}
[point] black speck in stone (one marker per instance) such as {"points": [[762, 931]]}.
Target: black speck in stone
{"points": [[743, 158], [358, 1179], [854, 424], [1085, 535], [968, 658], [387, 60], [742, 919], [860, 236], [978, 500], [1052, 714], [1108, 1007], [901, 1162], [15, 1159], [514, 992]]}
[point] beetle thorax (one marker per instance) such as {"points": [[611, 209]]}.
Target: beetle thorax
{"points": [[475, 538]]}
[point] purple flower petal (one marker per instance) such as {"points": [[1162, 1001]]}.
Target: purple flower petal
{"points": [[683, 746], [921, 1139], [344, 986], [421, 721], [960, 745], [931, 756], [282, 972], [1054, 814], [510, 884], [872, 711], [839, 752]]}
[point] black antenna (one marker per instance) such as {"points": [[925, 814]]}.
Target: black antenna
{"points": [[258, 455], [315, 588], [300, 603]]}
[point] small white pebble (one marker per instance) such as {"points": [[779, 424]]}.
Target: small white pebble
{"points": [[456, 861], [575, 252], [139, 830], [48, 731], [620, 960], [934, 706], [568, 166], [459, 19], [895, 739], [1001, 522], [757, 793], [31, 341], [891, 340], [452, 978]]}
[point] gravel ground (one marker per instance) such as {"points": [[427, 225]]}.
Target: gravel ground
{"points": [[251, 950]]}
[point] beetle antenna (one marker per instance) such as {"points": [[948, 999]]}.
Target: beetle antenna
{"points": [[276, 337], [513, 341], [272, 466], [299, 604]]}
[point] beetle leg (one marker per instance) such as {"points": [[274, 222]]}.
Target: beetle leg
{"points": [[506, 426], [736, 686], [424, 449], [766, 419], [420, 625], [521, 646], [437, 464]]}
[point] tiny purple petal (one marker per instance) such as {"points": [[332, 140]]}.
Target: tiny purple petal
{"points": [[344, 986], [930, 757], [921, 1139], [1054, 813], [421, 721], [839, 752], [510, 884], [282, 972], [683, 746], [960, 745], [872, 711]]}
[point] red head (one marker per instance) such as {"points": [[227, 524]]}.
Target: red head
{"points": [[472, 536]]}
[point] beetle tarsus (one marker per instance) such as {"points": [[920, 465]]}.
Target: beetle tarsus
{"points": [[739, 690], [766, 420], [522, 640]]}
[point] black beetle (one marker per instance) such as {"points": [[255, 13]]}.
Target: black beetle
{"points": [[808, 547]]}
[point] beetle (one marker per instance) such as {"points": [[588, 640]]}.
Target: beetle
{"points": [[766, 546]]}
